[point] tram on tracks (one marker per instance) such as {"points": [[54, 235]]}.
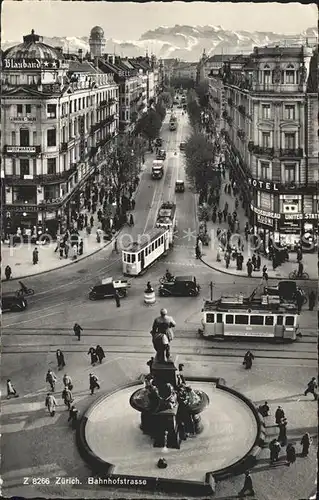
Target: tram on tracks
{"points": [[139, 256], [238, 317], [166, 219]]}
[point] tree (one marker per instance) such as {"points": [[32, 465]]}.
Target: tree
{"points": [[202, 90], [200, 155], [149, 125], [124, 164], [166, 97], [193, 109]]}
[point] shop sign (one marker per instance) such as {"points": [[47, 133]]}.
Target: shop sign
{"points": [[22, 119], [265, 220], [23, 208], [264, 213], [21, 149], [267, 185], [29, 64], [301, 216]]}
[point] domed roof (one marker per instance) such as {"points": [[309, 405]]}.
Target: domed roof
{"points": [[97, 32], [32, 48]]}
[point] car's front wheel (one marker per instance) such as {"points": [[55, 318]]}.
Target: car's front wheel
{"points": [[193, 293], [92, 296]]}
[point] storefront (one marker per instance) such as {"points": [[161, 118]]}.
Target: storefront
{"points": [[24, 217]]}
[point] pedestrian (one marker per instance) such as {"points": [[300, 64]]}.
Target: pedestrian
{"points": [[214, 217], [305, 443], [248, 360], [60, 359], [133, 203], [81, 247], [99, 215], [85, 220], [116, 250], [67, 397], [282, 436], [51, 404], [240, 260], [312, 300], [249, 266], [35, 256], [66, 249], [91, 221], [227, 259], [67, 381], [279, 415], [94, 383], [264, 409], [58, 242], [93, 354], [73, 416], [258, 262], [274, 447], [248, 486], [117, 299], [100, 353], [8, 272], [299, 301], [300, 270], [290, 454], [74, 252], [11, 390], [311, 388], [77, 330], [51, 379], [254, 262], [180, 377]]}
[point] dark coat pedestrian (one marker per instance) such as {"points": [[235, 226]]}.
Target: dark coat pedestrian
{"points": [[131, 220], [8, 272], [249, 266], [279, 415], [117, 299], [220, 216], [67, 397], [248, 486], [61, 250], [282, 436], [311, 388], [258, 262], [85, 220], [73, 416], [274, 447], [133, 203], [300, 269], [248, 360], [91, 221], [81, 247], [264, 409], [51, 379], [77, 330], [100, 353], [11, 390], [94, 383], [290, 454], [214, 217], [35, 256], [94, 358], [60, 359], [305, 443], [299, 301], [227, 259], [254, 261], [66, 249], [99, 214], [312, 300]]}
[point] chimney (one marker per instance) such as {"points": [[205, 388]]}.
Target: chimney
{"points": [[80, 54]]}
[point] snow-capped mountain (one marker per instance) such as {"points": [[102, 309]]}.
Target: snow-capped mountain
{"points": [[183, 42]]}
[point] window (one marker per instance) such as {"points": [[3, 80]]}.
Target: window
{"points": [[241, 319], [139, 257], [280, 320], [290, 112], [219, 318], [265, 139], [74, 103], [28, 109], [51, 110], [71, 106], [267, 77], [269, 320], [290, 140], [229, 319], [19, 109], [266, 110], [24, 166], [133, 258], [51, 165], [289, 172], [257, 320], [152, 247], [265, 201], [290, 76], [210, 318], [24, 137], [265, 170], [51, 137], [289, 321], [13, 138]]}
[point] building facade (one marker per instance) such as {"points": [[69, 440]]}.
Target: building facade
{"points": [[58, 115], [270, 113]]}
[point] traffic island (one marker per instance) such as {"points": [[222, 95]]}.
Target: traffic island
{"points": [[111, 441]]}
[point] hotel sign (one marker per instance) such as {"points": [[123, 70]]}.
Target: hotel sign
{"points": [[301, 216], [26, 64], [266, 185], [264, 213], [21, 149]]}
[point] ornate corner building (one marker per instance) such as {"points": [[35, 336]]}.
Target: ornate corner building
{"points": [[266, 107]]}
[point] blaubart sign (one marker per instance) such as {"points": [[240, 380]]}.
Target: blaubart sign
{"points": [[28, 64]]}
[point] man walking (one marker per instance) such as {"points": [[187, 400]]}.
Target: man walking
{"points": [[51, 379], [94, 383], [249, 266], [312, 386], [77, 330], [67, 381], [248, 486], [35, 256], [51, 404], [117, 299], [279, 415], [274, 447], [67, 397]]}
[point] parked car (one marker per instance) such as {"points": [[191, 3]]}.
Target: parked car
{"points": [[11, 302], [181, 286], [161, 155], [107, 287], [158, 142], [179, 186], [182, 146]]}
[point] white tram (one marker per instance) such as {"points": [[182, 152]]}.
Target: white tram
{"points": [[259, 318], [139, 256], [166, 219]]}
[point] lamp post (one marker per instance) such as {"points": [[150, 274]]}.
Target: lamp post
{"points": [[211, 287]]}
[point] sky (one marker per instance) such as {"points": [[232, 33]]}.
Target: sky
{"points": [[128, 20]]}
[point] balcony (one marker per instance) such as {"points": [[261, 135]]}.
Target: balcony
{"points": [[261, 151], [64, 147], [32, 180], [291, 153], [17, 150]]}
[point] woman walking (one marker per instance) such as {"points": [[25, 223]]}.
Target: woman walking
{"points": [[60, 359], [11, 390], [94, 357]]}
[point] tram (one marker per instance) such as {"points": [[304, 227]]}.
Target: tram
{"points": [[263, 317], [166, 218], [141, 255]]}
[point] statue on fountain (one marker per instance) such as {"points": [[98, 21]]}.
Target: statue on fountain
{"points": [[162, 335]]}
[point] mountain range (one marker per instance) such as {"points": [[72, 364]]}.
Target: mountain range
{"points": [[183, 42]]}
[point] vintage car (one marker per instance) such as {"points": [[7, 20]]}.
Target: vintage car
{"points": [[287, 291], [107, 288], [182, 146], [161, 154], [158, 142], [179, 186], [180, 286], [10, 301]]}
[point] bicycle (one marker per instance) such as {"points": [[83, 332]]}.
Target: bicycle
{"points": [[294, 275]]}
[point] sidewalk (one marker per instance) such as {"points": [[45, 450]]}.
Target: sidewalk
{"points": [[209, 253]]}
